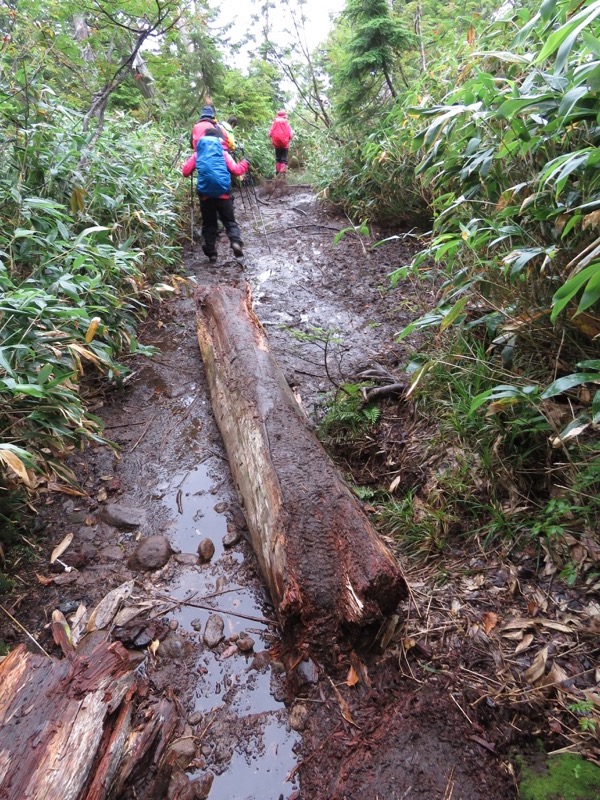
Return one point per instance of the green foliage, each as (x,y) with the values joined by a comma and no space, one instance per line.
(85,232)
(567,776)
(348,417)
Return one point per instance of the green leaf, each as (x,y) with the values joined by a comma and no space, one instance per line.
(569,382)
(596,408)
(21,233)
(454,313)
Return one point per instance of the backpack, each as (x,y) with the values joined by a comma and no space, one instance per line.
(213,175)
(280,133)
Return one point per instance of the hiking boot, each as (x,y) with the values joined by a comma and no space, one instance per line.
(210,253)
(237,249)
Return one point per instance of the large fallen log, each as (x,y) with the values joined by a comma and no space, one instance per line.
(74,729)
(327,570)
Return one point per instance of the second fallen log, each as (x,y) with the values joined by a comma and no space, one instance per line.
(327,570)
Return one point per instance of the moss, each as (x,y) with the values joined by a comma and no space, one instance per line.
(562,777)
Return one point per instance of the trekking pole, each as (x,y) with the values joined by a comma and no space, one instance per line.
(192,209)
(251,179)
(239,185)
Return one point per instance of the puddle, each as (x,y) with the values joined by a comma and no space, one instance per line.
(251,749)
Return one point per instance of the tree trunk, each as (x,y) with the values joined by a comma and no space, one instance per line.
(328,572)
(69,731)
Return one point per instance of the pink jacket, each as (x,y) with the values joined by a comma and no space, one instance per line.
(235,167)
(200,129)
(281,133)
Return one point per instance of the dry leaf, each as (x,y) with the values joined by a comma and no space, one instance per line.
(395,483)
(229,651)
(59,487)
(125,615)
(344,708)
(524,643)
(352,678)
(102,495)
(13,461)
(490,620)
(555,678)
(43,580)
(60,548)
(153,646)
(106,609)
(538,667)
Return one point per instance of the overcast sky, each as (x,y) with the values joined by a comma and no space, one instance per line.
(317,27)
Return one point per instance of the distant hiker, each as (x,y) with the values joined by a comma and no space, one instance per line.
(228,130)
(281,135)
(214,165)
(208,119)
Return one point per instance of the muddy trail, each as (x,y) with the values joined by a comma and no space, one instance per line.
(258,720)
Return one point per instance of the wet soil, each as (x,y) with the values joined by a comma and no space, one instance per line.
(265,722)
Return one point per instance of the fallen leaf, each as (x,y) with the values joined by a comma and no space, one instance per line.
(63,489)
(153,646)
(344,707)
(524,643)
(555,677)
(490,620)
(44,580)
(61,632)
(352,678)
(395,483)
(538,667)
(60,548)
(102,495)
(106,609)
(229,651)
(125,615)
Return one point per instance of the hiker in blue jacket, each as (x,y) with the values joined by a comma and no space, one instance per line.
(214,166)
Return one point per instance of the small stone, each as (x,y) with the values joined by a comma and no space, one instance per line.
(182,751)
(180,786)
(186,559)
(206,550)
(234,637)
(174,647)
(124,516)
(245,644)
(203,785)
(173,624)
(308,671)
(232,536)
(195,718)
(196,624)
(213,633)
(150,554)
(110,553)
(298,717)
(221,508)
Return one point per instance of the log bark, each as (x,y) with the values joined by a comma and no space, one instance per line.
(328,572)
(71,729)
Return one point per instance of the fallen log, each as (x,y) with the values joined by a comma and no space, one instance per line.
(74,729)
(327,570)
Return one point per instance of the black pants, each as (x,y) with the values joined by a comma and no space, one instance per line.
(213,209)
(281,155)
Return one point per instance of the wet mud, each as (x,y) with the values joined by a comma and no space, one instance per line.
(265,722)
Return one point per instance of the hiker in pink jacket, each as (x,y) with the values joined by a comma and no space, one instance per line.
(281,135)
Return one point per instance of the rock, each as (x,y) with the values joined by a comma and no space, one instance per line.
(213,633)
(203,785)
(182,751)
(83,556)
(308,671)
(196,624)
(173,624)
(124,516)
(174,647)
(232,536)
(110,553)
(234,637)
(186,559)
(206,550)
(261,661)
(180,787)
(195,718)
(150,554)
(221,508)
(298,717)
(245,643)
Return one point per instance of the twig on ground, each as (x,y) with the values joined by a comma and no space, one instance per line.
(25,631)
(144,432)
